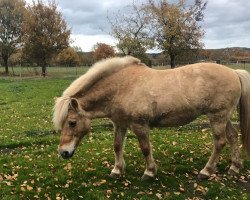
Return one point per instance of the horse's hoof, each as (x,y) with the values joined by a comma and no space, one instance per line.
(202,177)
(146,177)
(115,176)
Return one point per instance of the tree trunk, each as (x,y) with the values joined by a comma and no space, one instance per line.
(5,61)
(44,70)
(172,61)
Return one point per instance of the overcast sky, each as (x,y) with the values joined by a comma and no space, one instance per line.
(226,22)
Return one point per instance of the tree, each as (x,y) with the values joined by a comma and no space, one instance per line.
(131,31)
(77,48)
(11,19)
(176,26)
(68,57)
(87,59)
(46,33)
(103,51)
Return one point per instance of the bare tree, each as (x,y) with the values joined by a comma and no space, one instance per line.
(131,30)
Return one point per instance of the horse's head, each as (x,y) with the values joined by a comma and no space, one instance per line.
(75,125)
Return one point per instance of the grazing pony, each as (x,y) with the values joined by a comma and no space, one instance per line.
(134,96)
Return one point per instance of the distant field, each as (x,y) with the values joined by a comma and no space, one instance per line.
(25,72)
(240,66)
(31,169)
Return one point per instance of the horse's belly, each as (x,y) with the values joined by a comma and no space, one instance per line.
(174,120)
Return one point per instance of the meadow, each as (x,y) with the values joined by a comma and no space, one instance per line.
(31,169)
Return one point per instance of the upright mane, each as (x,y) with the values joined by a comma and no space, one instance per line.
(98,71)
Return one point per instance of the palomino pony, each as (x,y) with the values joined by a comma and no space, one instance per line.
(137,97)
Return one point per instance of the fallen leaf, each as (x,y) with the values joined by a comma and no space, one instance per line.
(29,188)
(8,183)
(140,193)
(109,191)
(159,196)
(84,184)
(182,189)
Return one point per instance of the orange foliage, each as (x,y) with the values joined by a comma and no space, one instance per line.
(103,51)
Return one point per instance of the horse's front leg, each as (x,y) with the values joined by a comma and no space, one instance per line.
(142,133)
(119,139)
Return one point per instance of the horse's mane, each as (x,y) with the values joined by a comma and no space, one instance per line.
(98,71)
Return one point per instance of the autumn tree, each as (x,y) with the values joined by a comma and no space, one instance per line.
(87,59)
(46,33)
(102,51)
(131,31)
(11,19)
(68,57)
(176,26)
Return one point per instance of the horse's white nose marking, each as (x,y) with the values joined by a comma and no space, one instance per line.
(70,147)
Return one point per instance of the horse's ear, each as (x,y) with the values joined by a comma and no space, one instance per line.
(74,104)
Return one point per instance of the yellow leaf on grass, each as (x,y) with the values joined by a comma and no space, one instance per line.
(39,189)
(29,188)
(8,183)
(174,143)
(109,191)
(159,196)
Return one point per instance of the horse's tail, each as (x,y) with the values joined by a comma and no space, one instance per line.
(245,109)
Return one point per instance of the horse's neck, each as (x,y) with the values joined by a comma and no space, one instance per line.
(97,101)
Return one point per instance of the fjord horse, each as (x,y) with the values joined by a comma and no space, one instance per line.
(136,97)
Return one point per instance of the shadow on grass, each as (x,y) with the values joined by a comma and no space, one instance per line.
(245,185)
(39,133)
(16,147)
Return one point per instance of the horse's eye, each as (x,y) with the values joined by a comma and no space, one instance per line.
(72,124)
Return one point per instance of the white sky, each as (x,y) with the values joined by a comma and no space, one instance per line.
(226,22)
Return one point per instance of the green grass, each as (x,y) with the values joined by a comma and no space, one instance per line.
(31,169)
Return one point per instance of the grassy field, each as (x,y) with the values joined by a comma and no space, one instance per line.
(31,169)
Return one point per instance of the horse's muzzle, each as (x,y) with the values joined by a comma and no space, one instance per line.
(66,154)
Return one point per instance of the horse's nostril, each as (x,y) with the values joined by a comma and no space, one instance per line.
(65,154)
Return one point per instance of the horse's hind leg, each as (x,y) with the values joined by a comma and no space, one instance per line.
(232,137)
(119,139)
(142,133)
(218,123)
